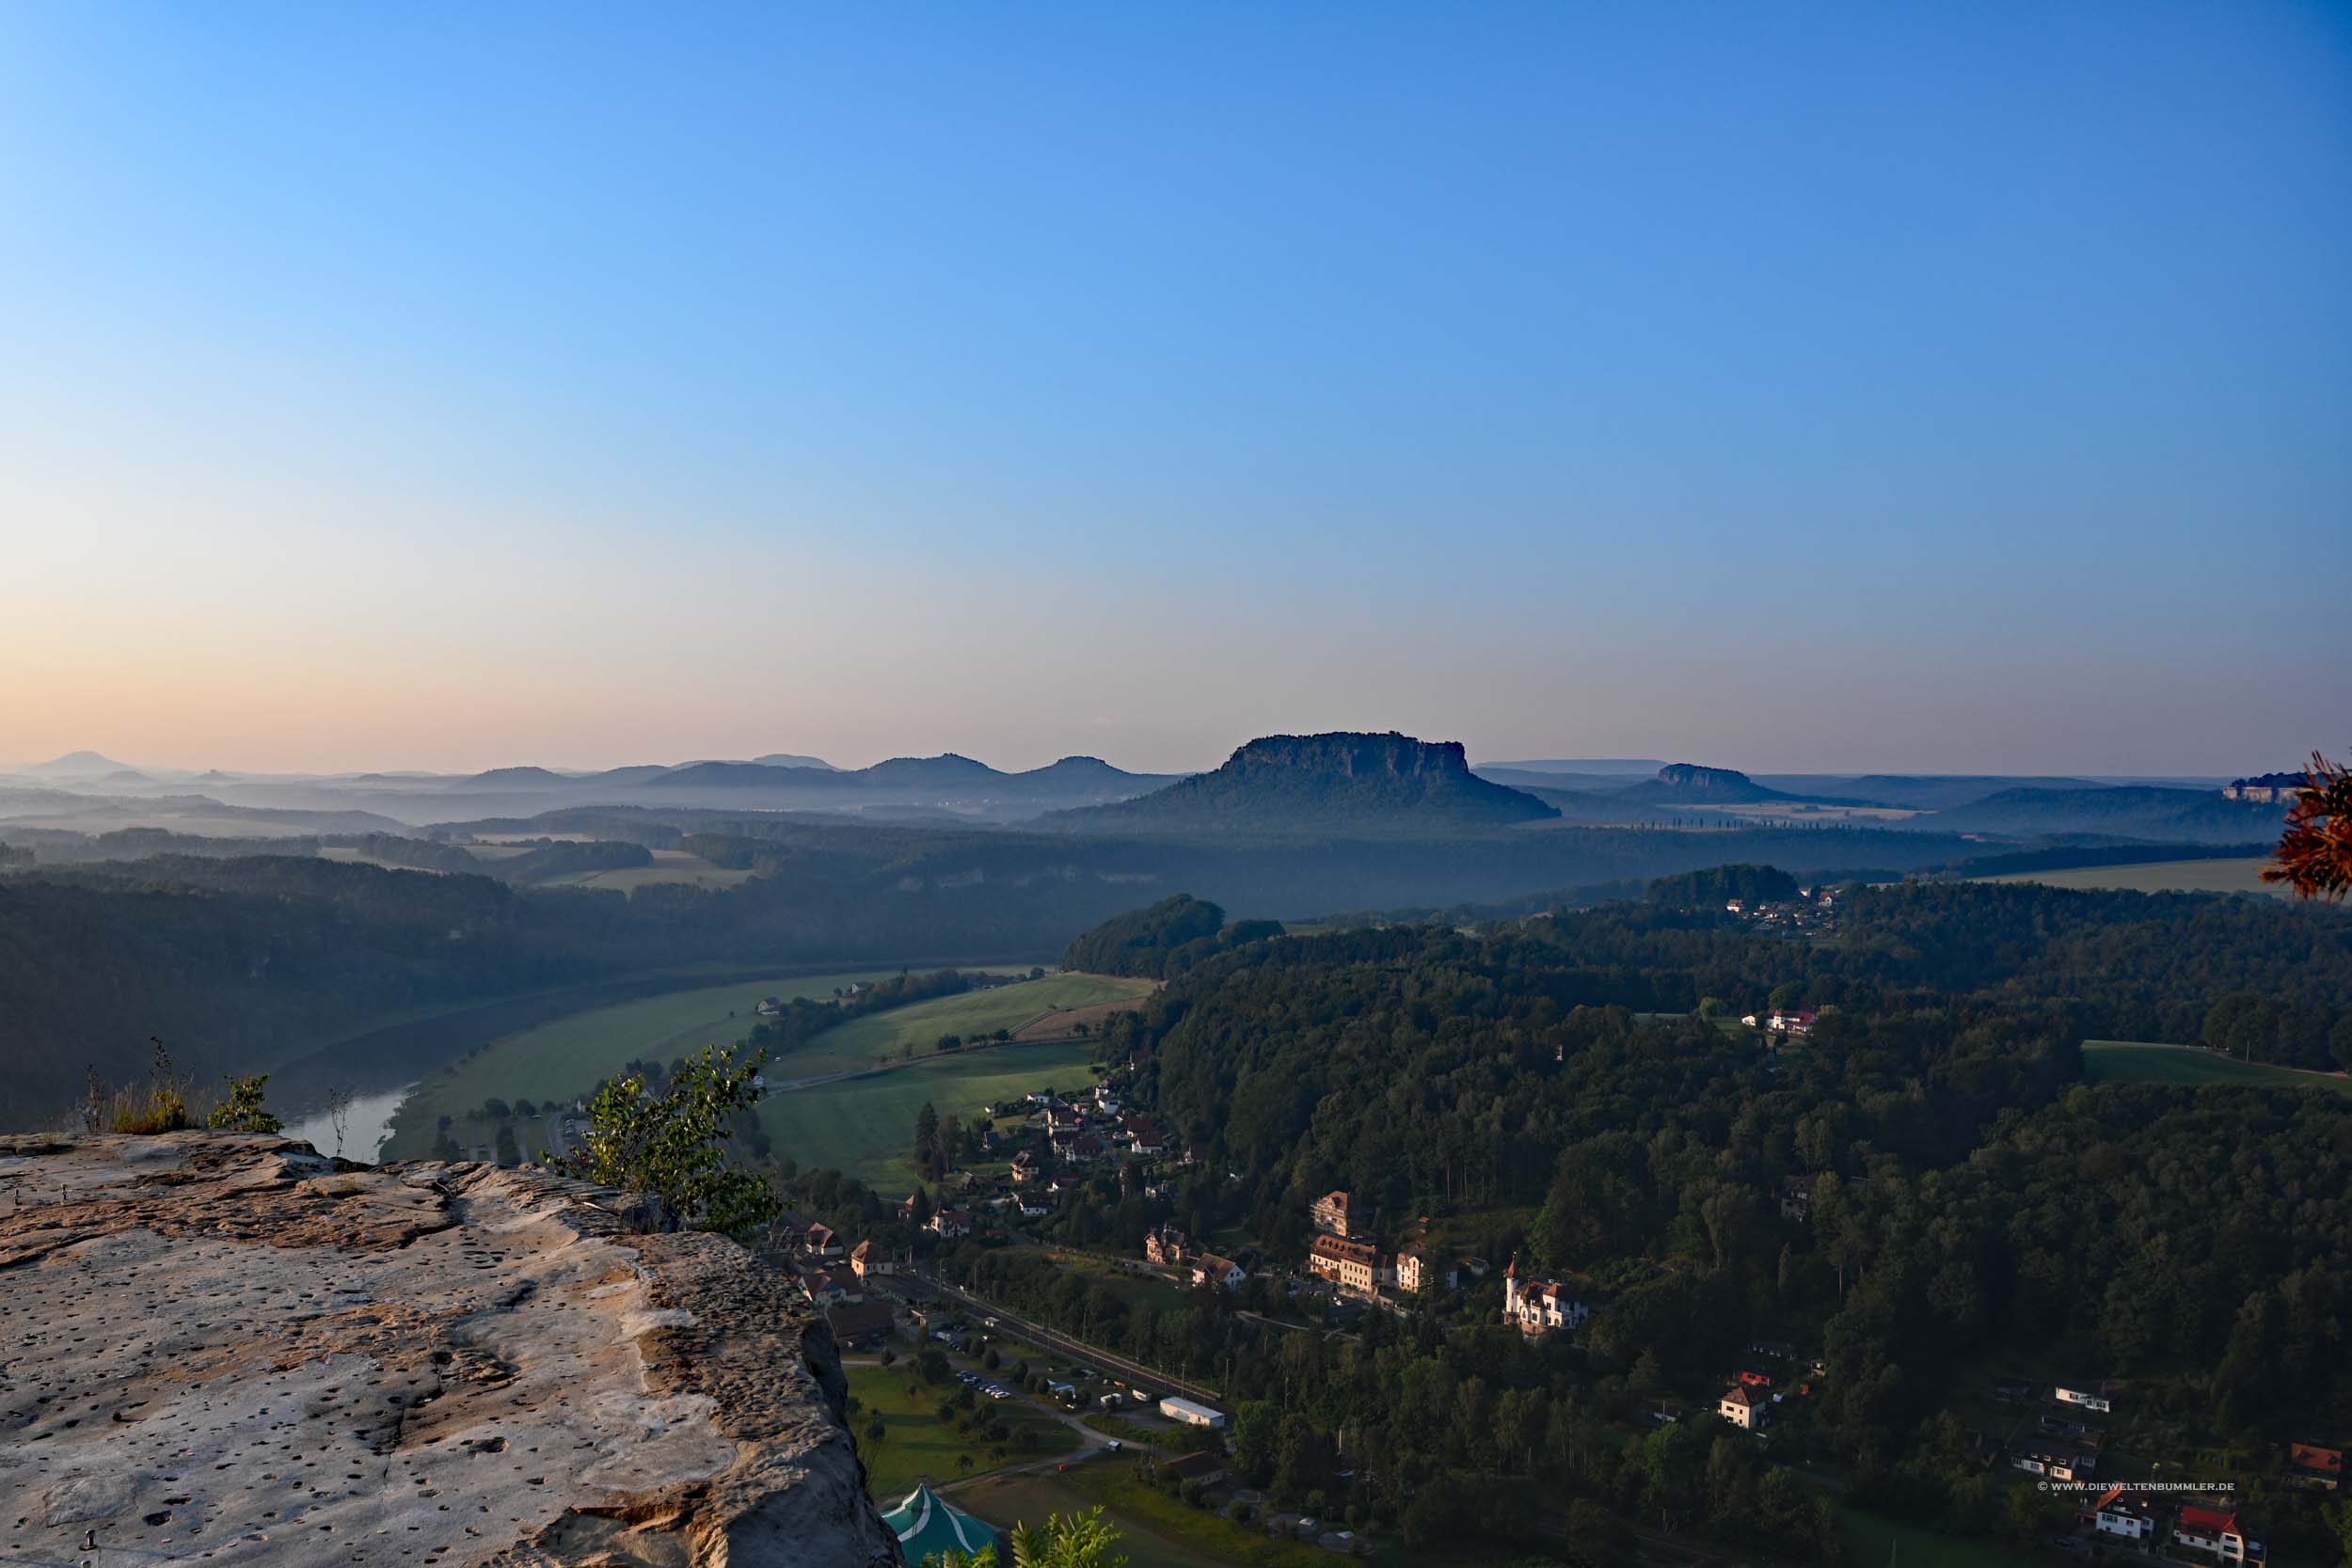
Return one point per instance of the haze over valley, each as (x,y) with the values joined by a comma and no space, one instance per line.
(957,786)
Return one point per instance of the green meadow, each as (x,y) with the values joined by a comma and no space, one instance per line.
(865,1126)
(560,1058)
(2147,1062)
(914,1030)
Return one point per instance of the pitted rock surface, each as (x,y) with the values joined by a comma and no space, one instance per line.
(229,1348)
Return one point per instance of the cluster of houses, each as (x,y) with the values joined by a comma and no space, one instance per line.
(2217,1532)
(2061,1446)
(2204,1530)
(1083,1132)
(1794,1022)
(840,1280)
(1809,912)
(1171,1249)
(1346,1252)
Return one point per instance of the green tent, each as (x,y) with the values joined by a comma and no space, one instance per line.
(925,1523)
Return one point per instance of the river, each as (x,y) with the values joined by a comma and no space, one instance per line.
(367,1123)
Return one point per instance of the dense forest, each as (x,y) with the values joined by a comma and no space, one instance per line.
(1973,1209)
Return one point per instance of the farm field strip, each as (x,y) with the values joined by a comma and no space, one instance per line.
(2149,1062)
(2218,876)
(912,1030)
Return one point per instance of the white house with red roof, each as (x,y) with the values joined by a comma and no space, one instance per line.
(2216,1532)
(1744,1407)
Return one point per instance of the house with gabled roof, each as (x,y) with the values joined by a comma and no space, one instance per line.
(1744,1407)
(2217,1532)
(2121,1511)
(1209,1269)
(2312,1465)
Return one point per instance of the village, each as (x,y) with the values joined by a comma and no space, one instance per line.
(1053,1155)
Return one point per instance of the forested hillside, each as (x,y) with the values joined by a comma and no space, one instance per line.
(1971,1208)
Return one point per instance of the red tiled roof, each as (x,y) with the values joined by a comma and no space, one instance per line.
(2207,1521)
(2310,1456)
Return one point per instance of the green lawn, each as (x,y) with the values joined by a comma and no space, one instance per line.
(882,1037)
(566,1056)
(1883,1543)
(865,1126)
(918,1446)
(2145,1062)
(2226,876)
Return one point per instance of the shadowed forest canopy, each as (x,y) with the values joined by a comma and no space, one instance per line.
(1971,1206)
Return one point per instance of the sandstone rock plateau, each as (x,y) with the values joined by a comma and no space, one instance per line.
(229,1347)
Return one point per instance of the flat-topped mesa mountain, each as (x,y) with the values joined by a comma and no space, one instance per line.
(1346,783)
(228,1345)
(1711,786)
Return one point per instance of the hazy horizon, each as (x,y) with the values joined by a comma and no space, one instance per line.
(23,767)
(450,389)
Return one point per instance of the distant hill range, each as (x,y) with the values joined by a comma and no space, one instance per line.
(1346,782)
(1352,782)
(2129,810)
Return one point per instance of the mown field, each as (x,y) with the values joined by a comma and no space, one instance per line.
(566,1055)
(903,1033)
(918,1446)
(865,1126)
(2235,876)
(2146,1062)
(669,865)
(1883,1543)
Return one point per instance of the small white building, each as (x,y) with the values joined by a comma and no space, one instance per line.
(1192,1414)
(2084,1400)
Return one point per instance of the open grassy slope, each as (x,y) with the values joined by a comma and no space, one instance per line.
(915,1029)
(865,1126)
(2235,876)
(566,1055)
(2146,1062)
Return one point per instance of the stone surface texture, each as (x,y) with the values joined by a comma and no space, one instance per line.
(229,1348)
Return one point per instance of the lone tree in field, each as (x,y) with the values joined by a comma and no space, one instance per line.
(673,1144)
(2314,855)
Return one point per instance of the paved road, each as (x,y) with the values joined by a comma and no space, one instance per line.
(1037,1334)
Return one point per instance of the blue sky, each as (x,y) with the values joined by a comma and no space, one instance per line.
(1777,385)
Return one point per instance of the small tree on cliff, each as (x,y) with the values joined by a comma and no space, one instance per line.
(245,1111)
(673,1144)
